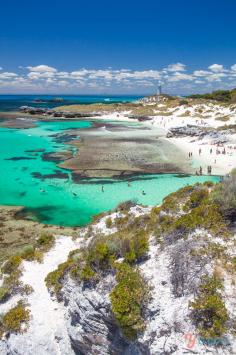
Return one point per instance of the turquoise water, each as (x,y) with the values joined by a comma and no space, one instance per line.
(28,180)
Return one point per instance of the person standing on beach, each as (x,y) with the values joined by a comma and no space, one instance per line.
(200,170)
(200,151)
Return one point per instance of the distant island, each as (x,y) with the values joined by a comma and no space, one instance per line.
(56,100)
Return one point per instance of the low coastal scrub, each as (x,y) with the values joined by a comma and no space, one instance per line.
(54,279)
(99,258)
(208,310)
(109,222)
(15,320)
(128,300)
(224,195)
(188,209)
(218,95)
(45,242)
(191,209)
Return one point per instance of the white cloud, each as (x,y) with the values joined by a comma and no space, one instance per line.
(201,73)
(199,82)
(176,67)
(180,76)
(216,68)
(216,77)
(175,77)
(7,75)
(42,68)
(233,67)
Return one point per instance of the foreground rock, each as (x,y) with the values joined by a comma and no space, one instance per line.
(185,257)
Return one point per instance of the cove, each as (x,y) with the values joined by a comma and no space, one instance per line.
(48,193)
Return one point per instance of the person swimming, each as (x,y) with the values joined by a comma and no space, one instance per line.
(143,192)
(42,190)
(74,194)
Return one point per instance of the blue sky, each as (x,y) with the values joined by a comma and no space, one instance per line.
(106,46)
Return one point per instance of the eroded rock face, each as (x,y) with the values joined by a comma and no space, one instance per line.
(91,326)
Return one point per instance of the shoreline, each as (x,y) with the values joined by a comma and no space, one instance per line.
(221,164)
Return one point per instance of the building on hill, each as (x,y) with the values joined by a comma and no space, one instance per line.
(154,99)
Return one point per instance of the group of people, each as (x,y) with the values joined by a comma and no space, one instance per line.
(199,172)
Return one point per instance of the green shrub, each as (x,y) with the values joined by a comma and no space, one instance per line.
(54,279)
(130,256)
(204,216)
(128,299)
(183,102)
(224,195)
(121,222)
(12,264)
(13,320)
(208,310)
(141,245)
(4,293)
(197,197)
(99,255)
(172,202)
(12,280)
(45,242)
(28,252)
(87,274)
(109,222)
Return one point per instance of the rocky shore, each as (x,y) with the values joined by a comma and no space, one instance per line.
(55,113)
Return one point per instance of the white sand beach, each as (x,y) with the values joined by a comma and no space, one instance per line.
(216,149)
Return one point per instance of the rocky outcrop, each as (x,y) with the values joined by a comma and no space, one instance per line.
(90,323)
(54,113)
(188,130)
(194,131)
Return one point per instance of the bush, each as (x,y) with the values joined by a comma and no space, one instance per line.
(196,198)
(28,252)
(45,242)
(109,222)
(87,274)
(206,216)
(99,255)
(183,102)
(13,320)
(54,279)
(12,264)
(224,195)
(209,312)
(128,299)
(4,294)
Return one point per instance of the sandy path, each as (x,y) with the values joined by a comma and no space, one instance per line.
(47,332)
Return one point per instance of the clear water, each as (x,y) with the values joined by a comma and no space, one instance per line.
(13,102)
(60,201)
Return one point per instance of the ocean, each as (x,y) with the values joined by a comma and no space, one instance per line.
(48,192)
(13,102)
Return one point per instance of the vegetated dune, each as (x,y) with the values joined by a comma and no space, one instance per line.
(136,281)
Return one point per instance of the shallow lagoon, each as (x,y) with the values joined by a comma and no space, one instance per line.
(59,200)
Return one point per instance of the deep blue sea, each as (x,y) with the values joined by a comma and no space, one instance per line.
(13,102)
